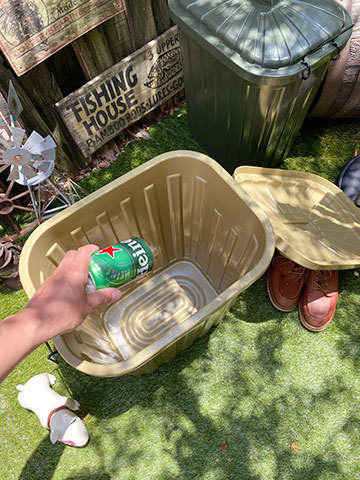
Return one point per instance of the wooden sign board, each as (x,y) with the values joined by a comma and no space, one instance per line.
(107,104)
(32,30)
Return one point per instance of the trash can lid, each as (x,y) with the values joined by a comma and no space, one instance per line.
(315,223)
(268,33)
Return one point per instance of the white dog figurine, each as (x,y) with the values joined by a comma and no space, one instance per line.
(54,411)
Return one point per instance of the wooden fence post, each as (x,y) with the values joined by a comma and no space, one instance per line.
(41,86)
(161,15)
(118,36)
(93,53)
(141,22)
(65,66)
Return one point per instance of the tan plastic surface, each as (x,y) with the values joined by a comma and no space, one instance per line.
(150,310)
(315,223)
(211,242)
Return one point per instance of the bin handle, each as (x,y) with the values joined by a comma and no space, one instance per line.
(336,57)
(305,73)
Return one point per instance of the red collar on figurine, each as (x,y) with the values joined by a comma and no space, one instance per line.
(63,407)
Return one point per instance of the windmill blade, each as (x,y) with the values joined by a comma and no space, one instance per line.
(14,173)
(49,154)
(18,135)
(44,165)
(38,145)
(34,142)
(27,171)
(49,143)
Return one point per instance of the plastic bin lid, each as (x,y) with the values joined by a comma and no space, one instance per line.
(268,33)
(315,223)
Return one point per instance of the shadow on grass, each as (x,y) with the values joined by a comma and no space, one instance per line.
(257,429)
(43,461)
(347,318)
(87,474)
(195,451)
(317,150)
(191,438)
(184,400)
(191,423)
(261,434)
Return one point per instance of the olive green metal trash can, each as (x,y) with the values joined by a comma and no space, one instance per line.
(252,69)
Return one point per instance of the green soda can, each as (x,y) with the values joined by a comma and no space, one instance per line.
(117,265)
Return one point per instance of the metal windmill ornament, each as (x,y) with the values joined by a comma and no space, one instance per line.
(32,164)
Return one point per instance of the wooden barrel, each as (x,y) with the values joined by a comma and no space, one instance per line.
(339,96)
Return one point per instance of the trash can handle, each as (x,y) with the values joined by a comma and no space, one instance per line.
(336,57)
(305,73)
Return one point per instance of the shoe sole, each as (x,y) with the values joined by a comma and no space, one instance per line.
(274,303)
(307,325)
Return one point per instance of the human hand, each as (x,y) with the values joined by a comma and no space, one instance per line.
(61,302)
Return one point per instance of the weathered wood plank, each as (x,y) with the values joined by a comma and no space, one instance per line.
(41,87)
(118,36)
(141,22)
(124,93)
(93,53)
(66,69)
(29,116)
(161,15)
(33,31)
(32,120)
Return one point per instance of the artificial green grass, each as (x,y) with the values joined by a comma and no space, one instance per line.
(256,383)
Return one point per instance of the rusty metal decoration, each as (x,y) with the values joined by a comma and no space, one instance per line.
(32,165)
(9,261)
(8,204)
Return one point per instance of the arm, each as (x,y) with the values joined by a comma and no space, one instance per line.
(59,305)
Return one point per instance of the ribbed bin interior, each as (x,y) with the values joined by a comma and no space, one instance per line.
(204,235)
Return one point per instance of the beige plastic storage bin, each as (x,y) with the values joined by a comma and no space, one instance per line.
(211,242)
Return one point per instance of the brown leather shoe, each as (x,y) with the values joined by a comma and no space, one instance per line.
(318,301)
(285,280)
